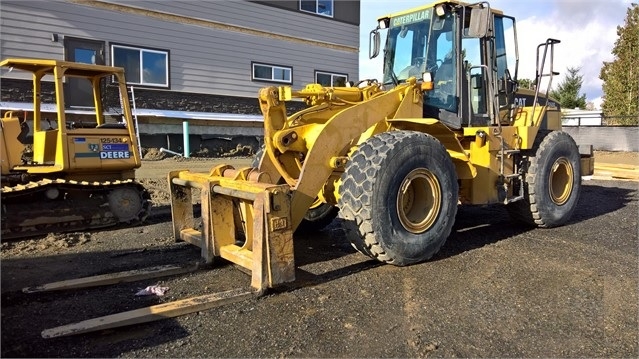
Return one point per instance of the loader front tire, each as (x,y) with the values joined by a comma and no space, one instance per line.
(318,216)
(398,197)
(553,182)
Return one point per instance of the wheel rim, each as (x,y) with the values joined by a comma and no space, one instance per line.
(561,179)
(419,200)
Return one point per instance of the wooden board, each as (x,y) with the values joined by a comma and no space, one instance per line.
(152,313)
(112,278)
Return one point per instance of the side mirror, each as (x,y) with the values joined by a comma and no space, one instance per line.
(373,44)
(478,22)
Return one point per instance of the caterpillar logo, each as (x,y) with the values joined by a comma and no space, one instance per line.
(520,102)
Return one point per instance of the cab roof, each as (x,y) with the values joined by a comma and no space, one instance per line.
(432,5)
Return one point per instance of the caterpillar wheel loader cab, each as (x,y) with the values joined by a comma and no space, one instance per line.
(80,172)
(446,125)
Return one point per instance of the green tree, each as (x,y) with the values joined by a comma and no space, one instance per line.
(525,83)
(567,92)
(621,75)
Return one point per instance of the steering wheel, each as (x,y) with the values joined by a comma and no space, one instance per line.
(418,61)
(438,63)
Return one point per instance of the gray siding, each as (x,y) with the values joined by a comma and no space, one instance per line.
(347,11)
(257,16)
(202,59)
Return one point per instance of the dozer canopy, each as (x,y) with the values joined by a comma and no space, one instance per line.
(76,144)
(47,67)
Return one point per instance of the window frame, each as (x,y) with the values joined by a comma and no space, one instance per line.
(273,67)
(142,49)
(332,74)
(316,12)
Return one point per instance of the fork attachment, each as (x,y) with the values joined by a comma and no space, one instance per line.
(245,220)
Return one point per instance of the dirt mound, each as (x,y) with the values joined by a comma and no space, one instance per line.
(240,150)
(153,154)
(625,158)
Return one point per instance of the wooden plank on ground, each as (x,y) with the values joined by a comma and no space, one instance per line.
(618,175)
(617,170)
(113,278)
(617,165)
(152,313)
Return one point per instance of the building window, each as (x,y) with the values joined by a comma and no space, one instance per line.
(145,67)
(320,7)
(330,79)
(272,73)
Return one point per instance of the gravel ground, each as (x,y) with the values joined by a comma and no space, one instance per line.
(495,290)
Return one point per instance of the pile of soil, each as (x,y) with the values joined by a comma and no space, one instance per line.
(625,158)
(153,154)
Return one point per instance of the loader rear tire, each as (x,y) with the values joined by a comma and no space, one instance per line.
(398,197)
(317,217)
(553,182)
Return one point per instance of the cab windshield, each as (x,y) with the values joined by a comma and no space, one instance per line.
(421,42)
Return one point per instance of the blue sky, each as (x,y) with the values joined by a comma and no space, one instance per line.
(587,30)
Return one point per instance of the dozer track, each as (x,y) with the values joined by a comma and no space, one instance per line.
(58,205)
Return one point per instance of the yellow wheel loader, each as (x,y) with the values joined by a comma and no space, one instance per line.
(394,158)
(80,172)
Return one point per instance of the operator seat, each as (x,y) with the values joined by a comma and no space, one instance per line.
(414,70)
(445,71)
(24,132)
